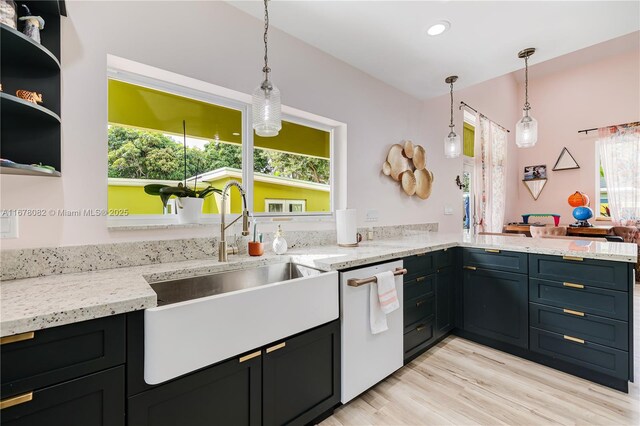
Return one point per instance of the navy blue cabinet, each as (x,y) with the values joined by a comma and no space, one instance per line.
(495,305)
(445,300)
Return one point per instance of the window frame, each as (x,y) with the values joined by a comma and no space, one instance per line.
(128,71)
(598,188)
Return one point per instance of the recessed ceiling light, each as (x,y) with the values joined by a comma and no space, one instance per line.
(438,28)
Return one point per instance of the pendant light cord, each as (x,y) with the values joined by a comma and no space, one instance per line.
(266,68)
(527,107)
(451,123)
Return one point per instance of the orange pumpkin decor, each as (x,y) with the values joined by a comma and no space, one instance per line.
(578,199)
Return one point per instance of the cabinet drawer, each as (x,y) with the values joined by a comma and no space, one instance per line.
(600,330)
(93,400)
(445,258)
(419,334)
(420,286)
(508,261)
(590,300)
(62,353)
(590,272)
(612,362)
(419,265)
(417,309)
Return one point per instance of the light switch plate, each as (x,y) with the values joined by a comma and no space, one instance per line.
(371,215)
(448,210)
(8,227)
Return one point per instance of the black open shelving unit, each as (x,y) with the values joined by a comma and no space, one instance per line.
(31,132)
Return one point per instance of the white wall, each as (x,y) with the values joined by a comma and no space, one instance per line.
(217,43)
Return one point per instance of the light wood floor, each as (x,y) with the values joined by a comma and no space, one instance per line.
(462,383)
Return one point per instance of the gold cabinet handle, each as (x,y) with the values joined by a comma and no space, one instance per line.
(276,347)
(492,250)
(572,285)
(421,327)
(249,356)
(572,312)
(421,254)
(574,258)
(420,302)
(573,339)
(471,268)
(420,279)
(17,338)
(16,400)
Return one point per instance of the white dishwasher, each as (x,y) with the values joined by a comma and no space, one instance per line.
(368,358)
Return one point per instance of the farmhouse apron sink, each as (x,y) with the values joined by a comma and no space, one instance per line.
(203,320)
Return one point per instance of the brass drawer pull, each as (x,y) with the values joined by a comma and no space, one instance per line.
(17,338)
(421,254)
(250,356)
(574,258)
(573,339)
(572,312)
(420,302)
(16,400)
(572,285)
(492,250)
(276,347)
(471,268)
(420,279)
(421,327)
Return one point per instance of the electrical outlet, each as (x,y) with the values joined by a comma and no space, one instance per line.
(371,215)
(448,210)
(8,227)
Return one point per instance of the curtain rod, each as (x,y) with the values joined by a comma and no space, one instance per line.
(586,131)
(463,104)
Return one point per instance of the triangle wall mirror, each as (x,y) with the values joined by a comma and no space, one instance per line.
(535,186)
(566,161)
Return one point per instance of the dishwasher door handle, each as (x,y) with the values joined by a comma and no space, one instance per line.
(353,282)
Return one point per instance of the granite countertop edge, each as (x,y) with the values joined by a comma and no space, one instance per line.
(42,302)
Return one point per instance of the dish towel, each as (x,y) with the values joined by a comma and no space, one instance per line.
(383,299)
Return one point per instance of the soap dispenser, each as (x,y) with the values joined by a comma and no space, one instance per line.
(279,243)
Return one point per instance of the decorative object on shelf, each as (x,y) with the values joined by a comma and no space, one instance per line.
(565,161)
(29,96)
(279,243)
(535,172)
(582,213)
(189,201)
(452,144)
(406,163)
(459,183)
(8,13)
(535,186)
(32,25)
(556,217)
(527,126)
(267,120)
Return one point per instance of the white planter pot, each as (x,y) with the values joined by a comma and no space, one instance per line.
(189,209)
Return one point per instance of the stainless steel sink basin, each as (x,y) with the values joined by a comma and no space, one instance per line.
(180,290)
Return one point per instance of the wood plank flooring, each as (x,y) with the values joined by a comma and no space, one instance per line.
(459,382)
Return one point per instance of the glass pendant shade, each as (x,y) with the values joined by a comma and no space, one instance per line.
(526,131)
(452,146)
(267,114)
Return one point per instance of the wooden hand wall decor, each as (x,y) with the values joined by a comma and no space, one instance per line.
(407,163)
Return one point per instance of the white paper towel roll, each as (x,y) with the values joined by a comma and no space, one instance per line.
(346,227)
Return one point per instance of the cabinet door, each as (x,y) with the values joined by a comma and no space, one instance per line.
(93,400)
(495,305)
(302,376)
(445,302)
(228,393)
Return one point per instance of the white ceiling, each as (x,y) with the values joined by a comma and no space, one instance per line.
(388,39)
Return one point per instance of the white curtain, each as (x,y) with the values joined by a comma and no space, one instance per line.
(490,157)
(619,148)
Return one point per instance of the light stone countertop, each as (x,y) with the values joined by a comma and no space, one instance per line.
(43,302)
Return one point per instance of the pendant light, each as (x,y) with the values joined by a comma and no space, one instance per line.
(452,146)
(266,109)
(527,127)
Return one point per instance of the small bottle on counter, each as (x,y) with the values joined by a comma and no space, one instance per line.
(279,243)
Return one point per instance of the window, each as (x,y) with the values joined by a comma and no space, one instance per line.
(289,174)
(602,202)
